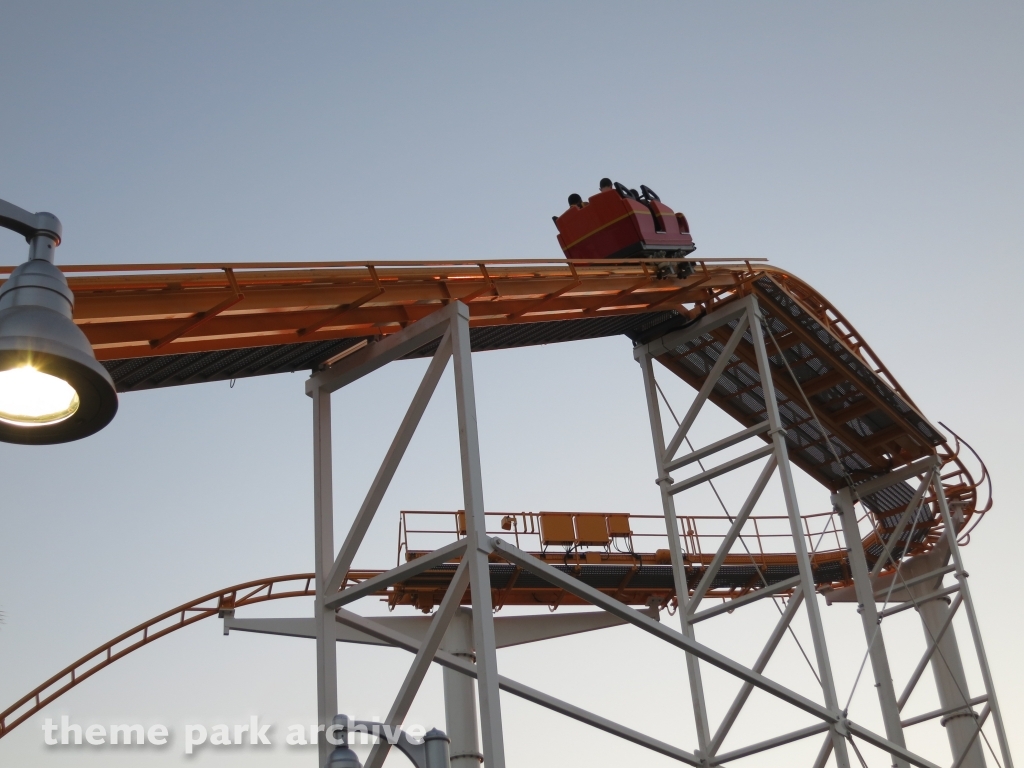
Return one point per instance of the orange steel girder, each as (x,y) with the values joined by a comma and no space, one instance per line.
(163,309)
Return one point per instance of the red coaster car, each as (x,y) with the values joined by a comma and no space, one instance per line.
(619,223)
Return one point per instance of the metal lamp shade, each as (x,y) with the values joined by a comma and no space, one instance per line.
(36,330)
(343,757)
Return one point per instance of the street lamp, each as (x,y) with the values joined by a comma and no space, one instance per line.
(52,388)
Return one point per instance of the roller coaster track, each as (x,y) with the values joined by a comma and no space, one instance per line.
(156,325)
(171,324)
(213,604)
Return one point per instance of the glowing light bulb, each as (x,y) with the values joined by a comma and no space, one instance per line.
(31,398)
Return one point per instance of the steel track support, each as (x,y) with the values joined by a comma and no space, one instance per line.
(746,315)
(943,651)
(479,546)
(387,470)
(735,530)
(429,646)
(700,713)
(450,326)
(932,644)
(460,709)
(972,620)
(872,623)
(762,661)
(400,640)
(951,685)
(824,753)
(796,526)
(323,526)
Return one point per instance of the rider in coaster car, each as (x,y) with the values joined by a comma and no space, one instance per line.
(576,200)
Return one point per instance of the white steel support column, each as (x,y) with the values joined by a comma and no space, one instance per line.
(460,711)
(479,546)
(972,619)
(796,526)
(323,526)
(951,683)
(872,626)
(450,327)
(700,714)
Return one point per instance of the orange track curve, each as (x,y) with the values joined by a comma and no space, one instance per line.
(249,593)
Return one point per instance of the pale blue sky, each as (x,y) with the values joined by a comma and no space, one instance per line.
(874,149)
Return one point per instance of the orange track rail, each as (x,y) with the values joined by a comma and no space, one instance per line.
(163,309)
(213,604)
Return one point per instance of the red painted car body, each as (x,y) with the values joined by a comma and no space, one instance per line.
(613,225)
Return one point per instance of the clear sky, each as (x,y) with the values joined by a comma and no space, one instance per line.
(874,149)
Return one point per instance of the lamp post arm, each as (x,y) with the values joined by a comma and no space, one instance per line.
(415,752)
(30,225)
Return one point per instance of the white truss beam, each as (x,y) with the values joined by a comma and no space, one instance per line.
(429,646)
(972,620)
(735,531)
(918,586)
(398,640)
(389,466)
(871,622)
(762,661)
